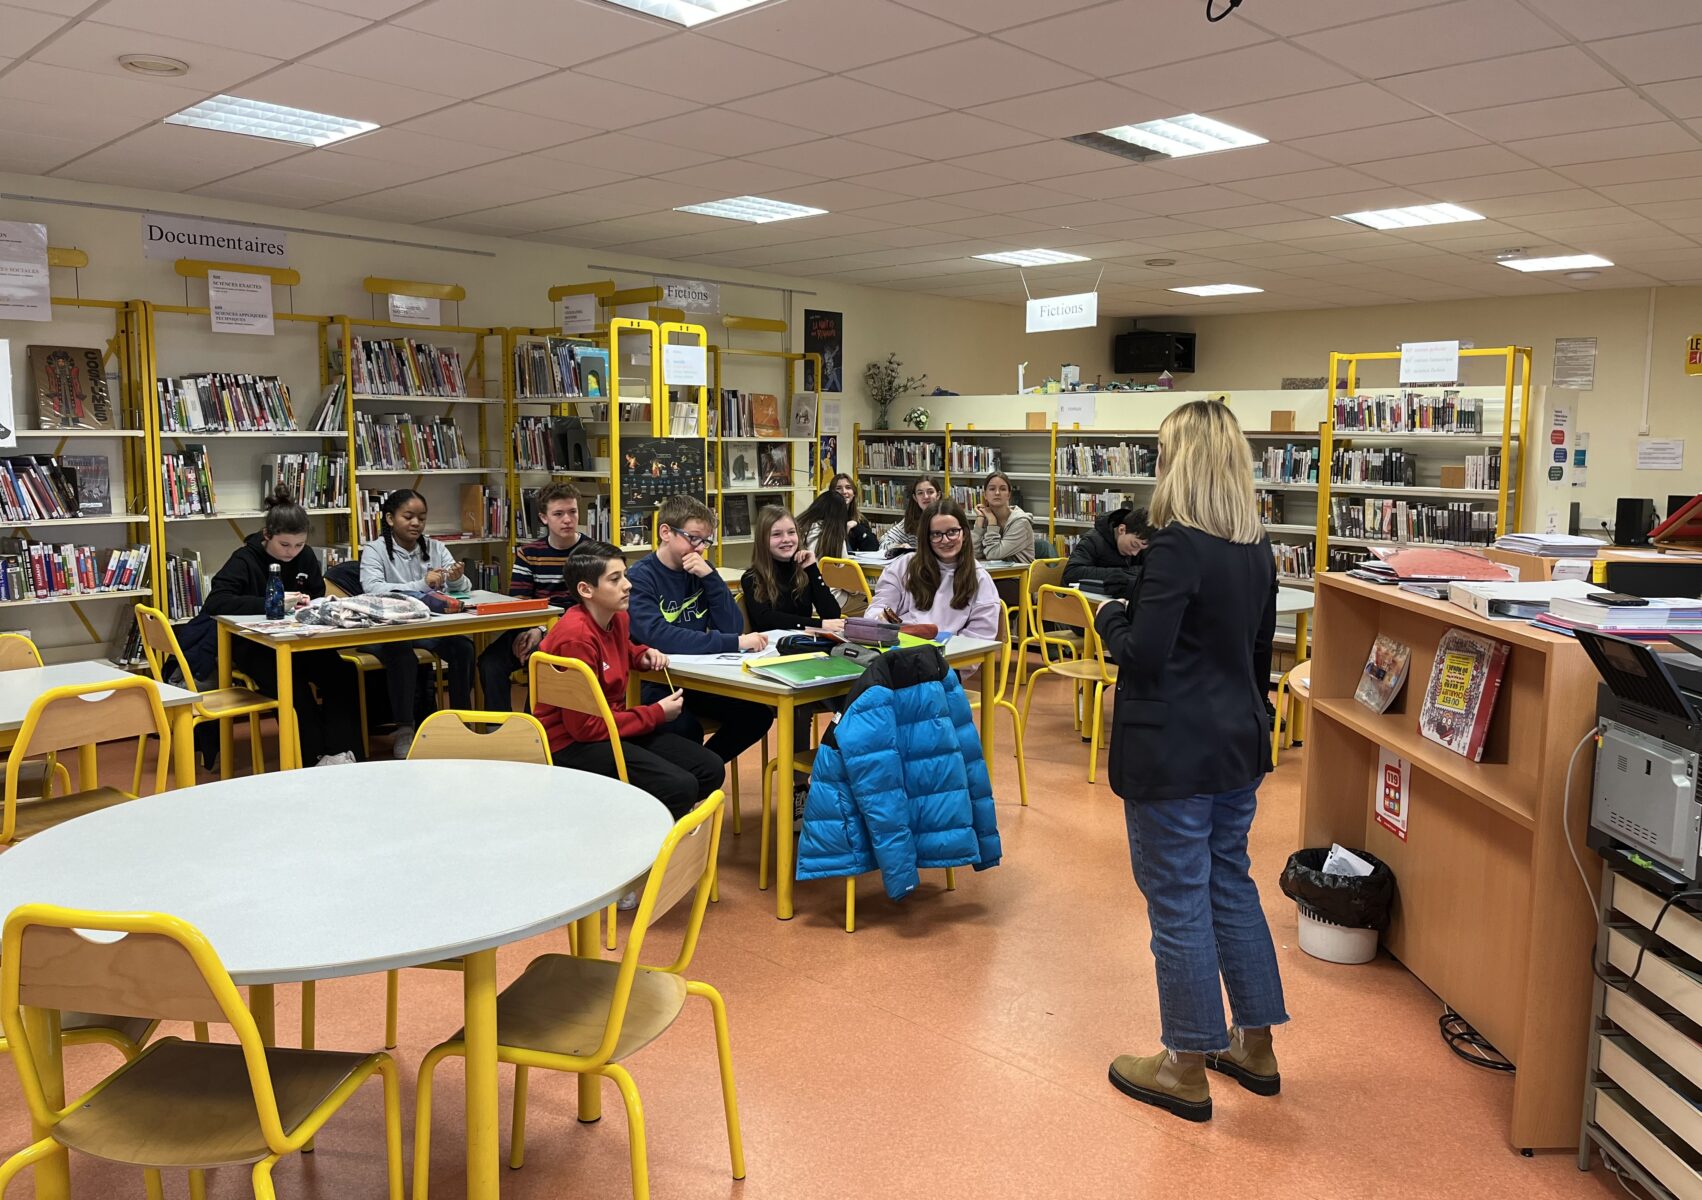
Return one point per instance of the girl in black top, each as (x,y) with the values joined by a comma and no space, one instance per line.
(783,588)
(859,534)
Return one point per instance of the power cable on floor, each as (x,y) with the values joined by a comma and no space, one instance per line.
(1468,1043)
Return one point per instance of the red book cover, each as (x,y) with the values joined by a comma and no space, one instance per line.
(1464,681)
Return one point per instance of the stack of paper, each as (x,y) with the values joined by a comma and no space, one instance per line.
(1428,563)
(1518,601)
(1647,622)
(1549,545)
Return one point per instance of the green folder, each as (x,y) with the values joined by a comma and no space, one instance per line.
(805,672)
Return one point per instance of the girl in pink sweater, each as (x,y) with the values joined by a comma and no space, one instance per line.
(939,583)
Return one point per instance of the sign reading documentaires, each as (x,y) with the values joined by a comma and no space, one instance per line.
(192,237)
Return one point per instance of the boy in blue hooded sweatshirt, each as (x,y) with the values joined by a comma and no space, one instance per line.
(681,605)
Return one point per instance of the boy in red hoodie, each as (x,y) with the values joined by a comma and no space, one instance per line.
(677,771)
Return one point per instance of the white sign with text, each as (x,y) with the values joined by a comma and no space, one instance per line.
(690,295)
(8,418)
(685,366)
(1430,362)
(415,310)
(240,303)
(1080,311)
(192,237)
(26,292)
(578,314)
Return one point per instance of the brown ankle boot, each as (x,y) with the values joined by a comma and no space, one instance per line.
(1173,1082)
(1250,1061)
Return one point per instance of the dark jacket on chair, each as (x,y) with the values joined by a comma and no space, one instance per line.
(1193,651)
(1096,560)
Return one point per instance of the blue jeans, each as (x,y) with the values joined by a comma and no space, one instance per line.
(1190,860)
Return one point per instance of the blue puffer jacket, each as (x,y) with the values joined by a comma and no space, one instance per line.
(899,781)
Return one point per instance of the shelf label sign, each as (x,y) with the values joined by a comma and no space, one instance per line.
(415,310)
(1430,362)
(192,237)
(8,419)
(26,293)
(578,314)
(690,295)
(685,366)
(1077,409)
(1080,311)
(240,303)
(1391,801)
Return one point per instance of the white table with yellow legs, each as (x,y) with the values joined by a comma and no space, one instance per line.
(353,871)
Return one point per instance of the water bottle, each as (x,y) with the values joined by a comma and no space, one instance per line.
(275,594)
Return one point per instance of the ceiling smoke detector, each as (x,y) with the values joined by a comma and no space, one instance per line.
(1580,276)
(156,65)
(1161,262)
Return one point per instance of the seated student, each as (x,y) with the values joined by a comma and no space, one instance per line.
(678,771)
(859,536)
(824,529)
(403,560)
(1003,532)
(330,725)
(1109,556)
(940,583)
(537,574)
(783,588)
(681,605)
(898,538)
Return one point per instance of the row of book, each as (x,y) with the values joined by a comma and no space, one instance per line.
(484,511)
(763,464)
(186,483)
(1410,412)
(1103,458)
(1394,467)
(1293,561)
(895,454)
(1286,464)
(315,479)
(185,586)
(535,444)
(46,487)
(333,414)
(1270,507)
(974,460)
(222,402)
(682,416)
(1081,504)
(406,441)
(751,414)
(968,498)
(559,368)
(39,570)
(405,367)
(884,493)
(1410,521)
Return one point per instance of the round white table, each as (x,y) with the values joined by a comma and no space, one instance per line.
(353,870)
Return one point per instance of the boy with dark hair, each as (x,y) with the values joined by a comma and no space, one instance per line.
(1109,556)
(681,605)
(676,770)
(538,573)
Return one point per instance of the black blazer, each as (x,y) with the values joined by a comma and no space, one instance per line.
(1193,652)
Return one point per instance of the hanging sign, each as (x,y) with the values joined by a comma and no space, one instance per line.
(578,314)
(1080,311)
(8,418)
(1430,362)
(26,293)
(1391,802)
(685,366)
(1693,356)
(415,310)
(240,303)
(690,295)
(192,237)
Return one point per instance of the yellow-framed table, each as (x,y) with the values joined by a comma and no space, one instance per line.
(24,684)
(724,675)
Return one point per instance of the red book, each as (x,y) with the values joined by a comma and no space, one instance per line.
(1464,681)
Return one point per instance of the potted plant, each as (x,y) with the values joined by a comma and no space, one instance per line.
(918,417)
(886,385)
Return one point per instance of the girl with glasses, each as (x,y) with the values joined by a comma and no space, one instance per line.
(940,583)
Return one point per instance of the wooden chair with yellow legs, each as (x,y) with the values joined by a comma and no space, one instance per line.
(1068,607)
(178,1105)
(589,1015)
(38,777)
(159,644)
(1042,572)
(846,575)
(1001,700)
(1294,689)
(449,733)
(79,717)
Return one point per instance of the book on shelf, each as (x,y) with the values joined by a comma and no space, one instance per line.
(1270,507)
(1549,545)
(333,413)
(1516,601)
(739,464)
(554,367)
(315,479)
(93,476)
(736,517)
(221,402)
(484,511)
(407,441)
(900,454)
(593,371)
(367,517)
(124,648)
(1293,562)
(1289,463)
(403,367)
(186,585)
(534,444)
(1409,412)
(1385,672)
(774,464)
(1657,612)
(41,570)
(528,520)
(1384,519)
(803,423)
(37,487)
(974,460)
(483,576)
(1460,698)
(682,414)
(572,444)
(70,389)
(735,420)
(765,415)
(1100,458)
(1080,504)
(186,483)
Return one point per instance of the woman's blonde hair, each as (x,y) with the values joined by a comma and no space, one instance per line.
(1206,474)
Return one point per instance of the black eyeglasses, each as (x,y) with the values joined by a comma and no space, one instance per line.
(698,541)
(945,535)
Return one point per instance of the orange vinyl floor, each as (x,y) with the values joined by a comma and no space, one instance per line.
(956,1045)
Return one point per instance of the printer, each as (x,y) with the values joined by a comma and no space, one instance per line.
(1646,798)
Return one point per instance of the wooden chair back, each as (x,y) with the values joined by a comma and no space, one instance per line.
(846,575)
(1068,607)
(17,652)
(510,737)
(159,645)
(335,591)
(86,714)
(744,613)
(570,684)
(1004,666)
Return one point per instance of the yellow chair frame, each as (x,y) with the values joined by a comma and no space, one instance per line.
(365,663)
(1067,606)
(846,575)
(1042,572)
(686,862)
(1002,680)
(164,969)
(18,653)
(1294,689)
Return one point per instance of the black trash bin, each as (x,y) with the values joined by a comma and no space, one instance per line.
(1340,915)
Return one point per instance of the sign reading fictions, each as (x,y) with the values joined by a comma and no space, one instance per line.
(690,295)
(193,237)
(1080,311)
(25,291)
(1430,362)
(240,303)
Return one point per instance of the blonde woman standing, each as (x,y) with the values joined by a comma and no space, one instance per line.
(1191,745)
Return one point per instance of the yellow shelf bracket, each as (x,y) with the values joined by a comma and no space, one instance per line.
(197,268)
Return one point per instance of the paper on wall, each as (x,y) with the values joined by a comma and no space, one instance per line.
(1430,362)
(1077,408)
(1660,454)
(8,418)
(415,310)
(239,302)
(26,290)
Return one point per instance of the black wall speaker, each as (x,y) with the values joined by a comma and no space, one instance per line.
(1633,518)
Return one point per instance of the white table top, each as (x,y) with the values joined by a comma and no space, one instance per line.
(729,668)
(19,689)
(350,870)
(435,626)
(1289,600)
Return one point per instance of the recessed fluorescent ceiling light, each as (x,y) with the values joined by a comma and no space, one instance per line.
(1031,258)
(1173,137)
(281,123)
(1219,289)
(1566,262)
(1411,218)
(754,209)
(688,12)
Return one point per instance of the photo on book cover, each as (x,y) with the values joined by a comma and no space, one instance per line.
(1385,673)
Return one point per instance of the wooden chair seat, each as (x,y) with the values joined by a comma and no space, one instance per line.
(190,1104)
(1075,668)
(235,702)
(36,815)
(560,1005)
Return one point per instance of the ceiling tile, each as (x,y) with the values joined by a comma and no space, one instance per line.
(44,91)
(403,146)
(1123,36)
(1587,19)
(92,48)
(1288,17)
(1035,162)
(173,152)
(946,135)
(1353,107)
(406,56)
(834,158)
(910,239)
(599,103)
(1667,210)
(1082,212)
(1563,71)
(628,154)
(562,33)
(1446,35)
(1507,183)
(1302,184)
(1651,57)
(1244,215)
(550,212)
(1180,202)
(1666,137)
(1007,197)
(534,176)
(832,35)
(1243,76)
(1653,191)
(723,132)
(646,195)
(63,8)
(1626,170)
(348,174)
(834,105)
(1078,108)
(391,205)
(1418,169)
(354,96)
(26,28)
(929,179)
(1681,97)
(1252,162)
(968,73)
(1119,182)
(1284,231)
(697,68)
(80,126)
(916,212)
(1142,228)
(1561,115)
(1568,200)
(499,128)
(283,28)
(837,195)
(998,225)
(276,185)
(372,10)
(1423,136)
(739,177)
(1605,217)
